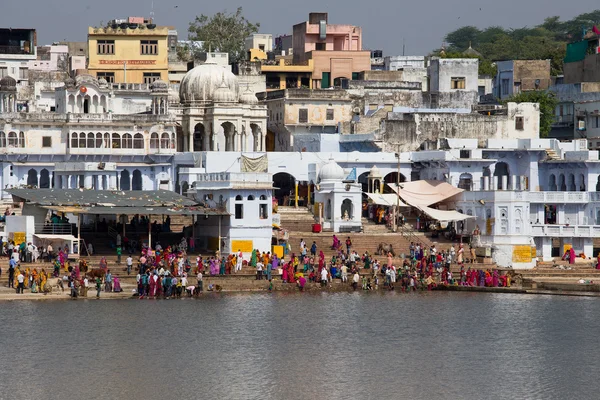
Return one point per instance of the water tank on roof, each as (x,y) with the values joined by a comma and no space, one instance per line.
(377,53)
(322,29)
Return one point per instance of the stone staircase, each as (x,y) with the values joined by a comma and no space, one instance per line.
(552,155)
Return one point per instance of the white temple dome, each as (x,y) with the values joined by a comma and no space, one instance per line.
(331,172)
(200,83)
(224,95)
(173,95)
(248,97)
(375,172)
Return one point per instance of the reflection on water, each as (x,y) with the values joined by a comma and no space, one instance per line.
(303,346)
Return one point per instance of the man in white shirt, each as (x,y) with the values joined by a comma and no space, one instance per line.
(199,279)
(355,280)
(324,274)
(259,270)
(129,264)
(21,283)
(344,273)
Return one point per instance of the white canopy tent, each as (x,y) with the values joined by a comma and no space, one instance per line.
(425,193)
(387,199)
(444,216)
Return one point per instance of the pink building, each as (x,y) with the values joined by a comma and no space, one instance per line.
(336,50)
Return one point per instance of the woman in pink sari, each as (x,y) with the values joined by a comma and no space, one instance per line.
(284,274)
(390,261)
(571,256)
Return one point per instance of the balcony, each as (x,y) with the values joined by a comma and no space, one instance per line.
(15,50)
(533,197)
(581,231)
(564,120)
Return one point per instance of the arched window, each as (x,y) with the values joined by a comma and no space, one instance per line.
(465,182)
(263,197)
(552,183)
(99,140)
(32,178)
(116,142)
(13,141)
(238,198)
(138,141)
(154,140)
(107,140)
(90,140)
(164,141)
(125,180)
(74,140)
(173,141)
(21,139)
(127,142)
(82,140)
(136,181)
(44,179)
(250,198)
(2,139)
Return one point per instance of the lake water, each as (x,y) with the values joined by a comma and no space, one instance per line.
(303,346)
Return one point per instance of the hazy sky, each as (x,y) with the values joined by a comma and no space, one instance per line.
(385,23)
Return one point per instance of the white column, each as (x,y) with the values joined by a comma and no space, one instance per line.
(112,185)
(68,181)
(88,181)
(522,182)
(547,249)
(486,183)
(504,182)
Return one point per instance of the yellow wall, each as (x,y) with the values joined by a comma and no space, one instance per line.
(317,112)
(128,48)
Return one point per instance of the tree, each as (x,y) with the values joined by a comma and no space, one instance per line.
(547,101)
(460,39)
(224,32)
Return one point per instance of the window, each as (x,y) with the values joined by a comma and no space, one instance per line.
(504,88)
(261,47)
(263,211)
(108,76)
(457,83)
(330,114)
(149,47)
(321,46)
(595,122)
(519,123)
(46,141)
(465,154)
(3,72)
(106,47)
(239,211)
(150,77)
(250,198)
(303,115)
(23,73)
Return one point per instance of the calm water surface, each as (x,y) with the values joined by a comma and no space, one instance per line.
(310,346)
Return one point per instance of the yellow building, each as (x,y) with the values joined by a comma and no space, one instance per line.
(283,74)
(129,53)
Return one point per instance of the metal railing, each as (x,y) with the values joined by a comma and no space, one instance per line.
(54,229)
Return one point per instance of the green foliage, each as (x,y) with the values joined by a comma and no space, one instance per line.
(547,101)
(224,32)
(545,41)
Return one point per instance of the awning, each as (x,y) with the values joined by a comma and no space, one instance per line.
(444,216)
(425,193)
(50,236)
(108,210)
(386,199)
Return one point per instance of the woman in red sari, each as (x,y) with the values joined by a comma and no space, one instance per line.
(284,274)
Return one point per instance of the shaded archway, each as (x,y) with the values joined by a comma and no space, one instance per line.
(392,179)
(229,133)
(136,181)
(44,179)
(552,183)
(562,183)
(125,183)
(32,178)
(200,138)
(582,183)
(501,171)
(256,137)
(571,186)
(285,186)
(363,179)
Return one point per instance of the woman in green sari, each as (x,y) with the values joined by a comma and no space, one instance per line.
(253,259)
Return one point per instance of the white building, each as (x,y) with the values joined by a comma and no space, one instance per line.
(247,198)
(535,194)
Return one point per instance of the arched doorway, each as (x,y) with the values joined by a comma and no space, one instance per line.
(581,183)
(501,171)
(136,181)
(184,188)
(363,179)
(562,184)
(465,182)
(328,210)
(347,210)
(572,187)
(125,180)
(285,185)
(229,133)
(552,183)
(44,179)
(199,138)
(32,178)
(392,180)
